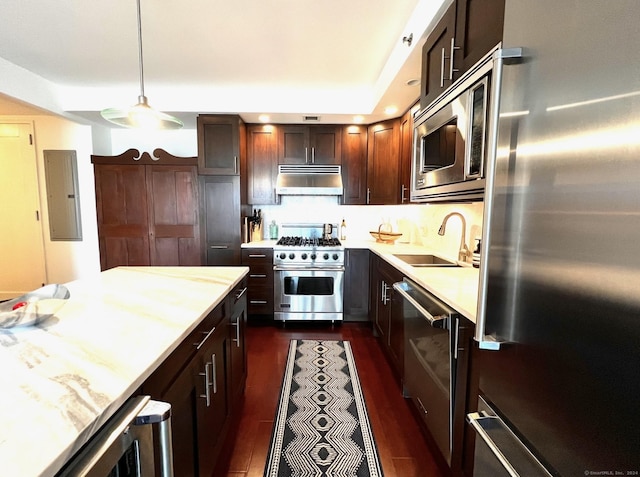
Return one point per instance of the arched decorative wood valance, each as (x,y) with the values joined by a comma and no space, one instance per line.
(132,156)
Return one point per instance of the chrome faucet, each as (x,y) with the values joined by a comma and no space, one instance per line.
(464,251)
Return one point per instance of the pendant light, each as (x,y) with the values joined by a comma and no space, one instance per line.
(141,115)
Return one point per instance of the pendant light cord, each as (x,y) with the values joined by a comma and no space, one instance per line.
(140,61)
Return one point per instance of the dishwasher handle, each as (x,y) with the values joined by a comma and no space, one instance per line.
(436,321)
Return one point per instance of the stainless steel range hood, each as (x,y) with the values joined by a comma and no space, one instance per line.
(309,180)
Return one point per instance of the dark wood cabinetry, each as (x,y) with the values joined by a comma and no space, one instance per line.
(220,144)
(260,291)
(309,144)
(406,150)
(383,163)
(262,157)
(222,227)
(387,322)
(479,27)
(464,34)
(354,165)
(435,54)
(356,285)
(147,209)
(203,380)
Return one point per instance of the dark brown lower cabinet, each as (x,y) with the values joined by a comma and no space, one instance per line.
(203,380)
(260,292)
(221,219)
(356,285)
(388,323)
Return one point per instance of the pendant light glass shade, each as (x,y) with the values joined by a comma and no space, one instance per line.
(141,115)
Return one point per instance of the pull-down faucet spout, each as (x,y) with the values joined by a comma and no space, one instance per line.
(464,251)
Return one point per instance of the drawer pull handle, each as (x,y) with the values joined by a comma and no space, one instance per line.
(258,302)
(258,275)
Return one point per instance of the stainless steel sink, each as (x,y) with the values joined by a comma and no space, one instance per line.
(419,260)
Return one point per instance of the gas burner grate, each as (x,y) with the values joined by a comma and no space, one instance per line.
(308,242)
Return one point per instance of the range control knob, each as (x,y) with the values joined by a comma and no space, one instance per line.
(283,256)
(292,256)
(335,256)
(313,256)
(303,256)
(326,256)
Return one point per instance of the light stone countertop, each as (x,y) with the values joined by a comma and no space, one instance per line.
(64,378)
(456,286)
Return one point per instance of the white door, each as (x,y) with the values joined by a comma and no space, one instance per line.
(22,262)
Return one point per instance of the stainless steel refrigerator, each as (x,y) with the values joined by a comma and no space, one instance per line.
(558,363)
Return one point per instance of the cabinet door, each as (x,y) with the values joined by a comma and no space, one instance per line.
(354,165)
(435,58)
(122,212)
(219,144)
(211,405)
(406,156)
(183,393)
(174,230)
(393,316)
(236,348)
(383,163)
(356,285)
(222,223)
(325,144)
(479,26)
(262,150)
(293,145)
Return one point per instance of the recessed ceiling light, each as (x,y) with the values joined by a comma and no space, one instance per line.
(358,119)
(390,110)
(413,82)
(263,118)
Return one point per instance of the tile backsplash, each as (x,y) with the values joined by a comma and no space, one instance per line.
(419,223)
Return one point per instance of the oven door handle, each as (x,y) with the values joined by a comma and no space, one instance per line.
(435,321)
(308,269)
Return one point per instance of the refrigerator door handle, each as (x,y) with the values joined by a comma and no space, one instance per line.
(500,58)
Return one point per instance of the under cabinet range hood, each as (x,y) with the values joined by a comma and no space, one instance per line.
(309,180)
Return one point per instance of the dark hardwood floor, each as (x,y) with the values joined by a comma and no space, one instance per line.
(401,445)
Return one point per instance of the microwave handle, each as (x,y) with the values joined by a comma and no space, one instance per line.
(500,58)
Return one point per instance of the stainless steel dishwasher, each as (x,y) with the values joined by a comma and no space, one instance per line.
(430,355)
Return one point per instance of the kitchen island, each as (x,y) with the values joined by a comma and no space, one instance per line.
(63,379)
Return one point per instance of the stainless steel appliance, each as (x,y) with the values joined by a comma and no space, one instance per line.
(124,446)
(559,305)
(449,140)
(308,277)
(431,350)
(309,179)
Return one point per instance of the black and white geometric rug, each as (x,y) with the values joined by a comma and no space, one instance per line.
(322,428)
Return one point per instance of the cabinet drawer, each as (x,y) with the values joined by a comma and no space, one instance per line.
(251,256)
(261,276)
(260,301)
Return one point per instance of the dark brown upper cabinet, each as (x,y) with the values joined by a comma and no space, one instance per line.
(383,163)
(465,33)
(354,165)
(479,27)
(262,151)
(309,144)
(220,144)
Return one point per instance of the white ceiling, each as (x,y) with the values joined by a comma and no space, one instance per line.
(286,58)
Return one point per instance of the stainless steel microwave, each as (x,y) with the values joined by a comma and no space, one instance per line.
(450,140)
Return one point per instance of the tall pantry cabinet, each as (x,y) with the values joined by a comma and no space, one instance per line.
(221,158)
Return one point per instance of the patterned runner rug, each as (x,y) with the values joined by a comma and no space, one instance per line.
(321,428)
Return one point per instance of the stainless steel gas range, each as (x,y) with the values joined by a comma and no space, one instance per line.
(308,277)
